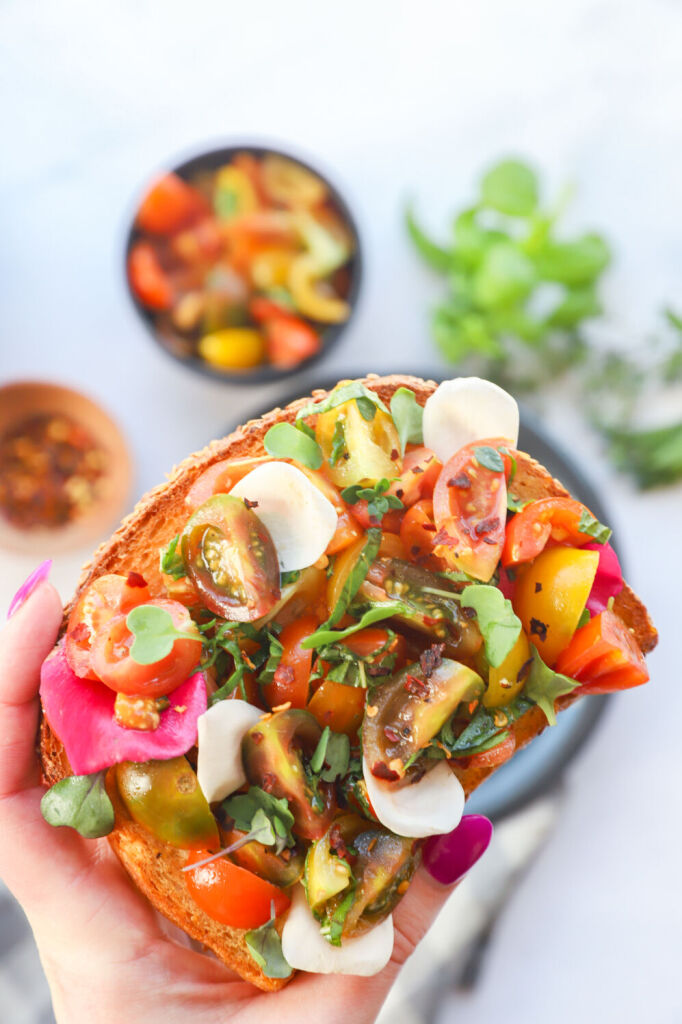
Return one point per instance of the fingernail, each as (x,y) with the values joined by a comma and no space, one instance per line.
(448,858)
(37,577)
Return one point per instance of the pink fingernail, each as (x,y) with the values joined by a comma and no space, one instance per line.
(37,577)
(448,858)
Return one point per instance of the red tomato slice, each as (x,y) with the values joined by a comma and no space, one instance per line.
(529,531)
(289,341)
(108,596)
(169,205)
(292,676)
(231,894)
(148,280)
(491,758)
(470,506)
(262,310)
(114,666)
(220,478)
(604,656)
(421,469)
(417,532)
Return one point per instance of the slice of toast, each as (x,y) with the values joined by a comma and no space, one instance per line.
(154,866)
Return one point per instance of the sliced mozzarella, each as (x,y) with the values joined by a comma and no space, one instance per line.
(430,807)
(300,519)
(306,949)
(468,409)
(219,763)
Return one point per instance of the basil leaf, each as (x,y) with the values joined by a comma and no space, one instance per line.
(329,636)
(355,389)
(265,946)
(290,577)
(584,618)
(499,625)
(271,665)
(483,731)
(332,755)
(338,442)
(284,441)
(510,187)
(154,632)
(355,577)
(593,528)
(490,458)
(544,686)
(573,263)
(408,416)
(506,275)
(171,561)
(435,255)
(366,408)
(378,502)
(82,803)
(332,929)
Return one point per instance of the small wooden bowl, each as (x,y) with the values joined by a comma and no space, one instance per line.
(23,399)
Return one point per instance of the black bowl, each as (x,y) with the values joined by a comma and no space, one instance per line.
(330,335)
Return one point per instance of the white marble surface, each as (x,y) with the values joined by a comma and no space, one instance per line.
(398,99)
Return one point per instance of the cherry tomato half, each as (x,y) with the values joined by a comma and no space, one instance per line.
(164,797)
(292,676)
(231,559)
(289,341)
(549,518)
(417,532)
(221,477)
(550,595)
(470,507)
(113,665)
(604,656)
(106,597)
(338,706)
(372,446)
(148,280)
(389,522)
(232,895)
(169,205)
(421,469)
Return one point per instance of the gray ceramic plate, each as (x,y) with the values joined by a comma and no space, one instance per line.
(538,766)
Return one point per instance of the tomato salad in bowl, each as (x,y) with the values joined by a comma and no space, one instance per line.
(244,263)
(363,606)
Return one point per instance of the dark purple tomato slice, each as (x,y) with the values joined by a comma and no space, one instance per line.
(231,559)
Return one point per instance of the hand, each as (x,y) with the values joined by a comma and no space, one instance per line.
(107,955)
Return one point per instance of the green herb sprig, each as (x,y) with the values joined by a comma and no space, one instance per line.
(378,501)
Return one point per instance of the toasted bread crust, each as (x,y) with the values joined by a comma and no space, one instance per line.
(154,866)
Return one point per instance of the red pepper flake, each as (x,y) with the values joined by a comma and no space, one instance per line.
(524,670)
(487,525)
(429,527)
(135,579)
(488,540)
(269,781)
(399,493)
(431,659)
(336,842)
(250,504)
(415,686)
(444,539)
(461,480)
(415,549)
(538,587)
(395,454)
(391,734)
(538,628)
(417,470)
(430,620)
(382,771)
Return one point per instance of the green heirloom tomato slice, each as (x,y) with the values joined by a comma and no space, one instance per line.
(231,559)
(164,797)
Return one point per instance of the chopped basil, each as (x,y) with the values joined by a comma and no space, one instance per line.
(81,802)
(271,665)
(324,635)
(490,458)
(584,618)
(332,928)
(355,578)
(408,416)
(593,528)
(499,625)
(544,686)
(332,755)
(285,441)
(171,561)
(338,442)
(484,730)
(290,577)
